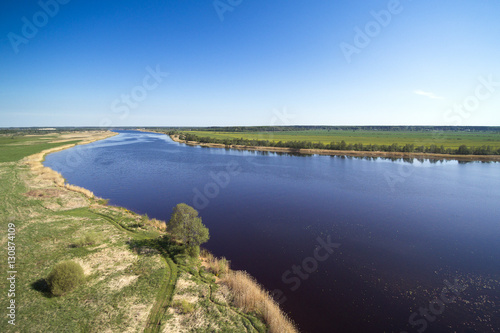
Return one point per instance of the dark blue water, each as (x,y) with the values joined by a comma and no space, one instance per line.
(397,229)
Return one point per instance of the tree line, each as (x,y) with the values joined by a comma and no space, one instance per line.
(342,145)
(338,128)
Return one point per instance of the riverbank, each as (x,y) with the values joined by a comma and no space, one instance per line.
(35,161)
(373,154)
(138,280)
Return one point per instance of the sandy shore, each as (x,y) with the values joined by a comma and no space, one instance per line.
(482,158)
(35,161)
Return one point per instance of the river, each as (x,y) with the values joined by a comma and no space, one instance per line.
(345,244)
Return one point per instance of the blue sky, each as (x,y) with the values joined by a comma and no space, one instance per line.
(241,62)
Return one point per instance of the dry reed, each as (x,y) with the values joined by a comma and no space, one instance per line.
(251,297)
(219,267)
(157,224)
(78,189)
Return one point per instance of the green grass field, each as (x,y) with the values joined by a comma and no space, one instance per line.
(13,148)
(448,139)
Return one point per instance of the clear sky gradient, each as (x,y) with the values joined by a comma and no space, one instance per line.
(260,62)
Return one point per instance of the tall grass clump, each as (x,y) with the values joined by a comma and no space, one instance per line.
(217,266)
(251,297)
(64,277)
(157,224)
(88,239)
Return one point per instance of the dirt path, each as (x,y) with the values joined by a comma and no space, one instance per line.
(164,298)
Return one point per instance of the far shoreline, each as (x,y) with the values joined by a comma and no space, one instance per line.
(350,153)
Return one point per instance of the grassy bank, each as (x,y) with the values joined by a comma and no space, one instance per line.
(460,145)
(447,139)
(350,153)
(137,278)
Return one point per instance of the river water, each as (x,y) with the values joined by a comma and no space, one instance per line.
(345,244)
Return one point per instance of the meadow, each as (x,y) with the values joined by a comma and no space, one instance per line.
(13,148)
(448,139)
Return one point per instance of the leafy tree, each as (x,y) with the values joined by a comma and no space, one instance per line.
(463,150)
(408,148)
(186,226)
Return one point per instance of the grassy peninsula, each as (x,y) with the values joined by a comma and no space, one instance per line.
(137,278)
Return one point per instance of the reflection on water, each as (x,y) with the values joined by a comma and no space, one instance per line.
(404,226)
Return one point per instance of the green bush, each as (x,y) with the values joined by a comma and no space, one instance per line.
(193,251)
(64,277)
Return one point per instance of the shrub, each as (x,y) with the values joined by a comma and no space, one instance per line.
(64,277)
(193,251)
